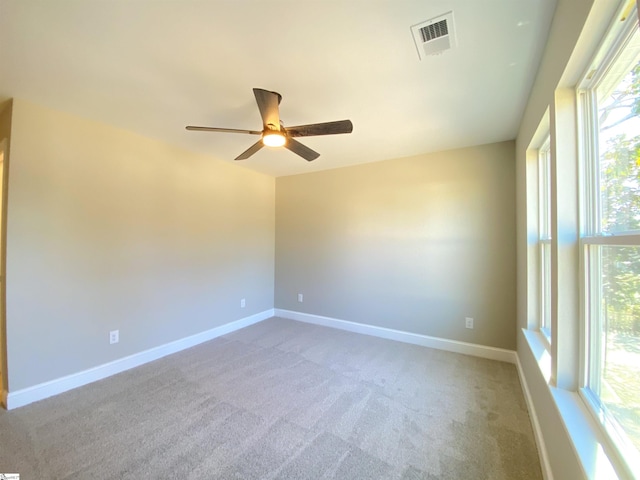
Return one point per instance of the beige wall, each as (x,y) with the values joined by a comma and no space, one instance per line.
(5,136)
(110,230)
(414,244)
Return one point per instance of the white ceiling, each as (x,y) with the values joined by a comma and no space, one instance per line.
(155,66)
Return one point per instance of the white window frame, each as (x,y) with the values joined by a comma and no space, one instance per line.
(592,239)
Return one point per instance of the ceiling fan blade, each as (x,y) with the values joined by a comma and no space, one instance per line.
(268,105)
(302,150)
(224,130)
(327,128)
(250,151)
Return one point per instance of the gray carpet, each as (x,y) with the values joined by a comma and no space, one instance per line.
(283,400)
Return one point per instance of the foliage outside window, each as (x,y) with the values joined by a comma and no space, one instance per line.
(610,114)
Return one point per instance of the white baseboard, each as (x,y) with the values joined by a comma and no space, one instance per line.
(465,348)
(28,395)
(547,473)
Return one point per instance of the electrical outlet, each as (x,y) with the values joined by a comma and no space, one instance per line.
(114,336)
(243,303)
(300,297)
(468,322)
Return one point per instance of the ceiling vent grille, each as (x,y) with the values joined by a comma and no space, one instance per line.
(434,36)
(433,31)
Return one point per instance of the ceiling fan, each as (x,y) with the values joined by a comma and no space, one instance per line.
(275,134)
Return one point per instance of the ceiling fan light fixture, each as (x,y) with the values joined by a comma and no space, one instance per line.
(274,139)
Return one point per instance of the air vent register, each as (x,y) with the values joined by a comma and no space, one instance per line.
(434,36)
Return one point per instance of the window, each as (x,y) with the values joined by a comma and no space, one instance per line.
(609,100)
(544,232)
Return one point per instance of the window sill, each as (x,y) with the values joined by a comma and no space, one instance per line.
(540,349)
(585,435)
(546,335)
(587,440)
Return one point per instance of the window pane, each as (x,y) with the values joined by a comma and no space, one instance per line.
(619,142)
(544,177)
(620,336)
(546,288)
(544,227)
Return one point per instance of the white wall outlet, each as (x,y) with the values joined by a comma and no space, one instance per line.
(300,297)
(114,336)
(243,303)
(468,322)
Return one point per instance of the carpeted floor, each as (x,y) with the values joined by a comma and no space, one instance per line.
(283,400)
